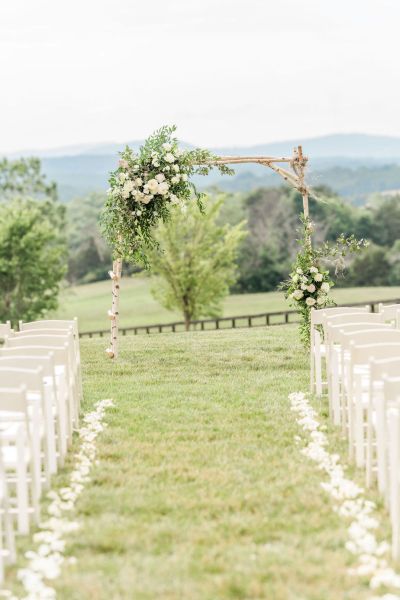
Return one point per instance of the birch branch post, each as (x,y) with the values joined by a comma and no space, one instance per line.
(294,175)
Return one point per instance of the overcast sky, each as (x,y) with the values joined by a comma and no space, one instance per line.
(225,71)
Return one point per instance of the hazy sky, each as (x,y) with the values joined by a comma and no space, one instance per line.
(225,71)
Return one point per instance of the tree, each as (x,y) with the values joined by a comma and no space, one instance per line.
(23,177)
(32,259)
(89,255)
(371,268)
(196,264)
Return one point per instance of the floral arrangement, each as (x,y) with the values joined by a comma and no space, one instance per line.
(145,186)
(309,283)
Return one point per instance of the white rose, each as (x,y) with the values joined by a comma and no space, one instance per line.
(303,286)
(311,288)
(167,146)
(135,168)
(122,177)
(321,300)
(128,187)
(178,152)
(313,270)
(169,158)
(160,177)
(318,277)
(295,278)
(147,199)
(153,185)
(156,163)
(176,168)
(163,188)
(174,199)
(175,179)
(184,177)
(325,287)
(138,181)
(298,295)
(310,301)
(138,213)
(299,271)
(125,194)
(167,168)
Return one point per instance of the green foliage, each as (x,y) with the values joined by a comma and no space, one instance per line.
(23,178)
(371,268)
(196,265)
(309,283)
(145,187)
(32,259)
(89,256)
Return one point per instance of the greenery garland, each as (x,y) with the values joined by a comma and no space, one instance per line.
(145,186)
(309,283)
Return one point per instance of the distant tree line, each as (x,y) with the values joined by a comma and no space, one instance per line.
(265,254)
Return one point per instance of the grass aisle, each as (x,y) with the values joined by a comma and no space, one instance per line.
(201,493)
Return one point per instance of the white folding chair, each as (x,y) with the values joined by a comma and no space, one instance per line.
(18,454)
(59,324)
(61,347)
(7,536)
(385,362)
(41,419)
(317,347)
(336,365)
(353,373)
(392,398)
(13,357)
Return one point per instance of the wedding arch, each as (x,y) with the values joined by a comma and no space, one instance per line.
(134,184)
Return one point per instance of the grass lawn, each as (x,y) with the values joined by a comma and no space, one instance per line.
(200,492)
(90,303)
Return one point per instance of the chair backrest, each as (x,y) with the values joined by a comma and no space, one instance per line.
(21,361)
(48,341)
(50,324)
(48,331)
(318,315)
(359,317)
(369,336)
(14,377)
(334,332)
(60,353)
(13,399)
(363,353)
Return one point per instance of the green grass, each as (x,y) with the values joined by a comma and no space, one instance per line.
(200,492)
(90,303)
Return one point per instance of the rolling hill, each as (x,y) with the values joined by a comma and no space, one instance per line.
(354,165)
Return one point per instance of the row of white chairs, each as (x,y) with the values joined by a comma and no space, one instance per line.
(355,360)
(40,398)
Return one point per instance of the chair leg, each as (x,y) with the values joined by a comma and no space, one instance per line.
(22,486)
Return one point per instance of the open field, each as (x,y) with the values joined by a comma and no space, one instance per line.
(200,491)
(90,303)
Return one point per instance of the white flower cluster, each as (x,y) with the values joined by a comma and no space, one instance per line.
(143,185)
(311,287)
(45,563)
(349,503)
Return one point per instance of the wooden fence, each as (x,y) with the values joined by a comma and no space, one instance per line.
(281,317)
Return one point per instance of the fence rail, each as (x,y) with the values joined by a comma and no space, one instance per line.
(280,317)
